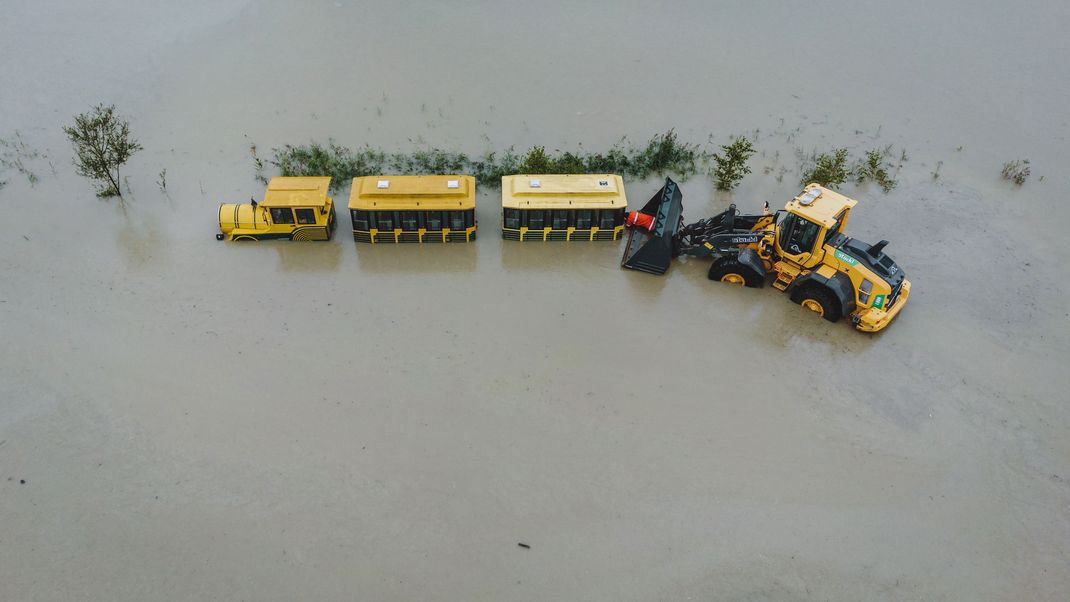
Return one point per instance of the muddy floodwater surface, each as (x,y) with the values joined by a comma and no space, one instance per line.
(187,419)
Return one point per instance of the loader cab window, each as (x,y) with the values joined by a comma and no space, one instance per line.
(835,228)
(282,215)
(797,235)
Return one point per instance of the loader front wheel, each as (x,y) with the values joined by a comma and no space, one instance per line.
(820,301)
(730,271)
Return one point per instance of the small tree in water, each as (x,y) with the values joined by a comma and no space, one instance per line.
(102,144)
(731,163)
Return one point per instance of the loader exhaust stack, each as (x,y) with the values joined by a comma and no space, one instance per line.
(653,230)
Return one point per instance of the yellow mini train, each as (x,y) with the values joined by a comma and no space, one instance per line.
(293,209)
(395,209)
(563,207)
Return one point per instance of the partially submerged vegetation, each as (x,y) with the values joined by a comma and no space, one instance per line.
(730,165)
(1016,171)
(874,167)
(827,169)
(15,155)
(663,154)
(102,144)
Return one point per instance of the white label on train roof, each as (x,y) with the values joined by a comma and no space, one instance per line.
(534,183)
(383,184)
(453,184)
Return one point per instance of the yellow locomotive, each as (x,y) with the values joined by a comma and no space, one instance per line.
(293,209)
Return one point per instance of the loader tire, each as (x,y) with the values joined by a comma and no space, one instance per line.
(730,271)
(819,300)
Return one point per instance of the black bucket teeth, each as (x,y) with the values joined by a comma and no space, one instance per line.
(651,250)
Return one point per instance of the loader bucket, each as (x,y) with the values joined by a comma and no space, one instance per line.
(652,250)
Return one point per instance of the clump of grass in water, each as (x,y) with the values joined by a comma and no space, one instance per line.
(258,163)
(827,169)
(936,172)
(13,155)
(489,169)
(662,154)
(731,163)
(1016,171)
(873,168)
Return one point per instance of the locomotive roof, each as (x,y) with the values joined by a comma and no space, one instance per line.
(297,192)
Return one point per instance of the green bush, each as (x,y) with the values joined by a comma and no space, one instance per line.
(663,154)
(730,165)
(827,169)
(873,168)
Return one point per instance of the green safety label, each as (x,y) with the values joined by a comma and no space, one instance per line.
(844,257)
(878,301)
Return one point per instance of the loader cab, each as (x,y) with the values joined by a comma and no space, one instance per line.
(809,221)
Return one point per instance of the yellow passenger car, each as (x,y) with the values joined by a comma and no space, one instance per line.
(413,209)
(563,207)
(293,208)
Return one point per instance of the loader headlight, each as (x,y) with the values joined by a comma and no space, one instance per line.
(864,290)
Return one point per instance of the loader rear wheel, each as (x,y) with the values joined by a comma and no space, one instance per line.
(730,271)
(820,301)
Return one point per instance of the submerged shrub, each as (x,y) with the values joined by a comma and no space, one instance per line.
(664,153)
(827,169)
(730,165)
(873,168)
(1016,171)
(536,161)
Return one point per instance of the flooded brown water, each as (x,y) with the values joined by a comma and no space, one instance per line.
(201,420)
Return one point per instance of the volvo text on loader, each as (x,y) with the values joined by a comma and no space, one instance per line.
(802,249)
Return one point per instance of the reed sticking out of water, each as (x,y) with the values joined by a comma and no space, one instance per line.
(14,154)
(662,154)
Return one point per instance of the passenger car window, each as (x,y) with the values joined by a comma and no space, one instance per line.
(560,219)
(305,216)
(456,220)
(385,220)
(433,220)
(360,220)
(535,219)
(512,218)
(583,219)
(608,219)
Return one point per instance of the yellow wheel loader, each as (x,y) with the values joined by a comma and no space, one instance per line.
(802,249)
